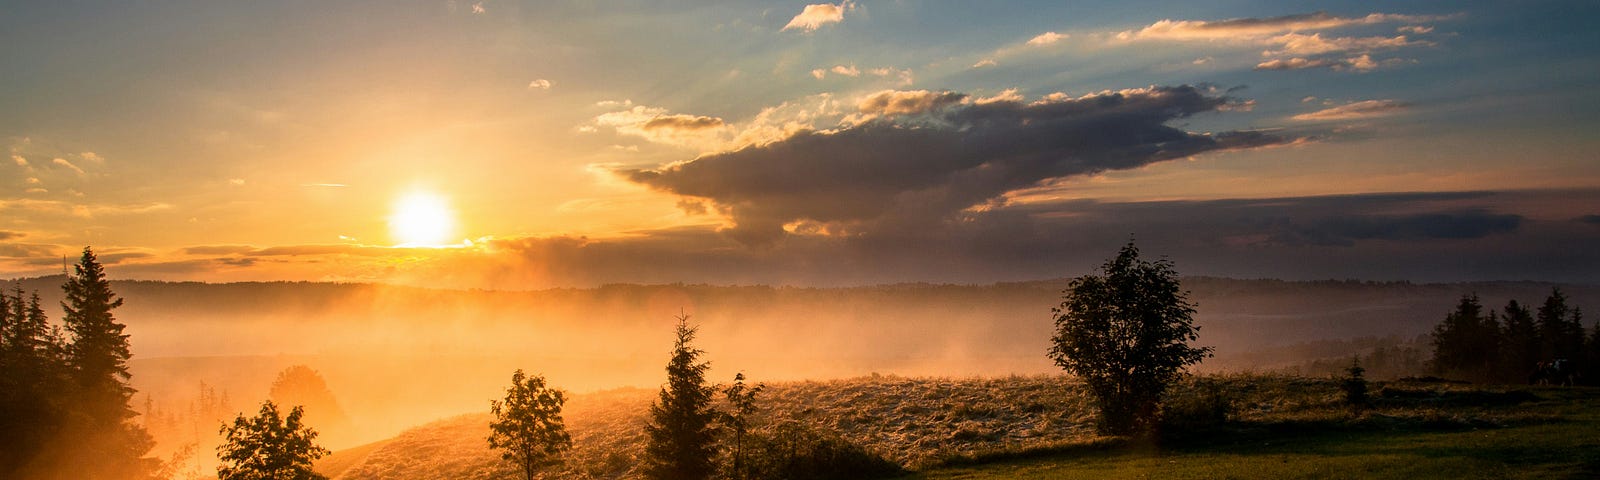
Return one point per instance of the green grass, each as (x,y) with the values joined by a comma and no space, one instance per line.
(1554,436)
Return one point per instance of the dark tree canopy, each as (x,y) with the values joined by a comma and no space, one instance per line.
(1126,334)
(527,426)
(269,446)
(682,435)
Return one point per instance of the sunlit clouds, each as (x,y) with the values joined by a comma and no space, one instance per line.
(561,144)
(816,15)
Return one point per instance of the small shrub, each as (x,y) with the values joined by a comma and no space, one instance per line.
(1354,385)
(1201,407)
(792,451)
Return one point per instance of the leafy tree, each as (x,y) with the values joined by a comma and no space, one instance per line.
(269,447)
(682,438)
(106,443)
(300,385)
(528,426)
(1126,335)
(741,408)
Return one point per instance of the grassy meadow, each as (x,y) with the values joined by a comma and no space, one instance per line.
(1234,426)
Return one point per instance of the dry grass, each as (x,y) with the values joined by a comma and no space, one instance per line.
(928,423)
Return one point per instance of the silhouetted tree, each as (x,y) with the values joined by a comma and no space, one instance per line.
(1560,335)
(1519,344)
(1592,357)
(741,410)
(682,438)
(106,443)
(1126,334)
(1465,343)
(1354,384)
(527,425)
(269,447)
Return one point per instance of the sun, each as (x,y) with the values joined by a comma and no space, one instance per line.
(421,219)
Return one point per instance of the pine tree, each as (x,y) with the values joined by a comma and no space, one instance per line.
(107,442)
(1520,345)
(682,437)
(1465,342)
(1560,335)
(1126,334)
(528,427)
(269,447)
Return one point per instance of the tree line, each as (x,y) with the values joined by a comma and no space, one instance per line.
(64,389)
(1516,344)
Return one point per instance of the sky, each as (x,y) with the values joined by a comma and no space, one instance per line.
(520,145)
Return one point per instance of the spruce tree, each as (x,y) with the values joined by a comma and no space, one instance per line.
(1560,335)
(682,437)
(108,443)
(1464,344)
(1519,343)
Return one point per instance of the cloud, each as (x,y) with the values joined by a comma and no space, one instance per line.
(217,249)
(1415,29)
(1358,110)
(6,235)
(1256,27)
(987,62)
(1046,38)
(657,125)
(897,102)
(323,185)
(682,122)
(19,160)
(1361,63)
(477,8)
(920,157)
(540,84)
(848,71)
(1590,219)
(1292,42)
(816,15)
(1316,44)
(63,162)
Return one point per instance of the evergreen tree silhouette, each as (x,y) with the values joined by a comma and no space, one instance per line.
(682,437)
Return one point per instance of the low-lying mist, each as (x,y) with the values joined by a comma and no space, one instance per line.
(395,357)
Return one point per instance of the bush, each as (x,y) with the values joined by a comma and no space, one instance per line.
(1201,407)
(792,451)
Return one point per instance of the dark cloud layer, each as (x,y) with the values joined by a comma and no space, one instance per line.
(925,156)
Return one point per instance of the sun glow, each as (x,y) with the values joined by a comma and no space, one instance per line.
(421,219)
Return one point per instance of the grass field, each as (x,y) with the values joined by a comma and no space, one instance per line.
(1041,427)
(1555,434)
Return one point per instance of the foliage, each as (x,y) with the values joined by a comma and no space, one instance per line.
(300,385)
(1471,345)
(528,426)
(1126,334)
(269,447)
(1466,343)
(1194,406)
(681,431)
(741,400)
(793,451)
(1354,385)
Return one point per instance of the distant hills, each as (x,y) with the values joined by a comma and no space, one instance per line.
(398,356)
